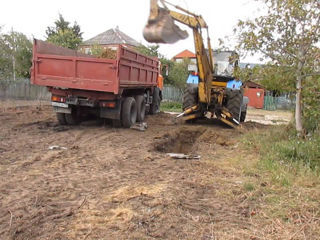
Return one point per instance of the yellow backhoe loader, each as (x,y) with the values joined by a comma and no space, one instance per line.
(217,93)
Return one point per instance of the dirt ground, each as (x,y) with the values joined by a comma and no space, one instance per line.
(99,182)
(269,117)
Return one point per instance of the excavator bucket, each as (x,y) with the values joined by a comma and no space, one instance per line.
(162,29)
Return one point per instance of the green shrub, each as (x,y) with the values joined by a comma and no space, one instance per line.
(311,104)
(171,106)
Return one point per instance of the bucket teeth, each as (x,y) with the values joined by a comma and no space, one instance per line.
(163,29)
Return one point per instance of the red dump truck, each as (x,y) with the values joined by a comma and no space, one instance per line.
(122,89)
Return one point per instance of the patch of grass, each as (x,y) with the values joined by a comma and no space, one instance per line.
(281,150)
(171,106)
(248,186)
(280,179)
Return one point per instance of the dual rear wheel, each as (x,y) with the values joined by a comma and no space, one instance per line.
(133,110)
(68,119)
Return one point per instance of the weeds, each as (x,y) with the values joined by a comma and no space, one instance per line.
(280,148)
(171,106)
(248,187)
(281,183)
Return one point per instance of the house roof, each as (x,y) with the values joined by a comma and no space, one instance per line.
(185,54)
(111,36)
(251,84)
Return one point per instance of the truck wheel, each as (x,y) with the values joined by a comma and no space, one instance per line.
(243,116)
(155,105)
(190,96)
(234,103)
(61,118)
(141,108)
(72,119)
(129,112)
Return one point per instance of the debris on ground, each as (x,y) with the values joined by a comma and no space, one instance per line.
(183,156)
(56,147)
(140,126)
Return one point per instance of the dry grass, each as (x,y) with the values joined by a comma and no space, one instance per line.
(129,192)
(7,104)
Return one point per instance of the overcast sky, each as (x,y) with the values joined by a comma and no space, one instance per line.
(33,16)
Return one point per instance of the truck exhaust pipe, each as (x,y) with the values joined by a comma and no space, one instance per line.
(162,29)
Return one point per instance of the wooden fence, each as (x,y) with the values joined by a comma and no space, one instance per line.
(171,93)
(23,90)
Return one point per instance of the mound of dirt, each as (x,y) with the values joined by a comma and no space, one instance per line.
(162,119)
(222,138)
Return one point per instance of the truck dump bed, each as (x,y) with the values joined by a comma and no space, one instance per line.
(65,68)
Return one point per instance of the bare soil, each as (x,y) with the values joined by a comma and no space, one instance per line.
(278,117)
(107,183)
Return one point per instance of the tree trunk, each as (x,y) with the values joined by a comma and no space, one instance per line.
(298,112)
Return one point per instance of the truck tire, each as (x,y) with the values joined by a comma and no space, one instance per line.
(234,102)
(155,105)
(72,118)
(141,108)
(243,116)
(190,96)
(61,118)
(129,112)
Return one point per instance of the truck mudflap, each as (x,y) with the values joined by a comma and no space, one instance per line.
(111,113)
(62,110)
(61,107)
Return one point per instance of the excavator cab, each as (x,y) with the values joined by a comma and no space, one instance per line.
(161,27)
(226,63)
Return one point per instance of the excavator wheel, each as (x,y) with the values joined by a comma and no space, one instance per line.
(243,116)
(190,96)
(234,101)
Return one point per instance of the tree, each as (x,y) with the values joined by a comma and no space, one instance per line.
(62,34)
(166,64)
(178,74)
(6,69)
(311,102)
(151,50)
(15,56)
(274,78)
(287,36)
